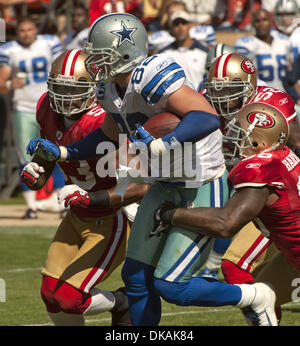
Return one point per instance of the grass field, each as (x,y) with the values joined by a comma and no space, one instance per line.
(22,254)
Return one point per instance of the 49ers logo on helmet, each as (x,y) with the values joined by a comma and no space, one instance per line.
(261,119)
(248,66)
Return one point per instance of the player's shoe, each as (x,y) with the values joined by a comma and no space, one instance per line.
(262,310)
(29,214)
(207,273)
(120,312)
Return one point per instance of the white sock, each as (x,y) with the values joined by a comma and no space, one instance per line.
(214,261)
(64,319)
(101,301)
(29,197)
(248,295)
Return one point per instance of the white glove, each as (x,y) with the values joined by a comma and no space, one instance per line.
(30,173)
(73,195)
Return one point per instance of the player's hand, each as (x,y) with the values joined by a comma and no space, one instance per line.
(44,148)
(162,218)
(31,173)
(142,135)
(74,196)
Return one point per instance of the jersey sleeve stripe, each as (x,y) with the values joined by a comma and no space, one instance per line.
(157,79)
(165,85)
(4,59)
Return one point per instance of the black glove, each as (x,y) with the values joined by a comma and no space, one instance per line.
(162,218)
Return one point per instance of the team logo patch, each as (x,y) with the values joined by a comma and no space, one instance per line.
(283,101)
(253,165)
(124,34)
(248,66)
(261,119)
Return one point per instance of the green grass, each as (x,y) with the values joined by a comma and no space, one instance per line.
(23,251)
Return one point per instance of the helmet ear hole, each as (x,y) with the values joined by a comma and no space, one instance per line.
(126,57)
(255,144)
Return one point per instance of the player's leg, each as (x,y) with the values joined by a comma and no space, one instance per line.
(141,258)
(248,250)
(185,252)
(281,274)
(77,261)
(25,128)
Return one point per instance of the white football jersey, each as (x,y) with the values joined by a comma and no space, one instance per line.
(271,60)
(78,41)
(151,83)
(191,59)
(295,42)
(35,61)
(161,39)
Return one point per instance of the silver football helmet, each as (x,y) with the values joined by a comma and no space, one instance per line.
(285,15)
(117,43)
(215,51)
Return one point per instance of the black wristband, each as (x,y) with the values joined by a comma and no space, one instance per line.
(167,216)
(99,199)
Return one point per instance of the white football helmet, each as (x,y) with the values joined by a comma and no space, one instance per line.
(285,15)
(117,43)
(70,88)
(232,82)
(215,51)
(256,128)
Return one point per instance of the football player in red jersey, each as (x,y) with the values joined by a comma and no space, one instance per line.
(90,243)
(266,182)
(232,83)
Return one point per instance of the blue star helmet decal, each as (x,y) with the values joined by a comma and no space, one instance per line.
(124,34)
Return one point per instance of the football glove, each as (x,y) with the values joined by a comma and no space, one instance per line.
(162,218)
(73,196)
(44,148)
(141,135)
(30,173)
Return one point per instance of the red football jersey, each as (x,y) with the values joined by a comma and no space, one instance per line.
(278,99)
(83,173)
(279,169)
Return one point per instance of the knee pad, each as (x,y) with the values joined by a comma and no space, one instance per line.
(47,293)
(71,300)
(234,274)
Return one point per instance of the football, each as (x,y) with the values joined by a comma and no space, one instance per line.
(161,124)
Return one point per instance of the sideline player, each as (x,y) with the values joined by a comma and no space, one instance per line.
(137,88)
(266,183)
(270,50)
(90,243)
(24,66)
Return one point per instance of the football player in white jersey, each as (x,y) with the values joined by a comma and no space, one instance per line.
(25,63)
(136,88)
(269,49)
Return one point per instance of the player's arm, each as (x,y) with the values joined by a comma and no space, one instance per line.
(7,84)
(81,150)
(198,120)
(223,222)
(73,195)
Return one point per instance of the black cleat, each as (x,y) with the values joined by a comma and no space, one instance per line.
(120,312)
(30,214)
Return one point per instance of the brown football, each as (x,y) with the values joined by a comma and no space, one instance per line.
(161,124)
